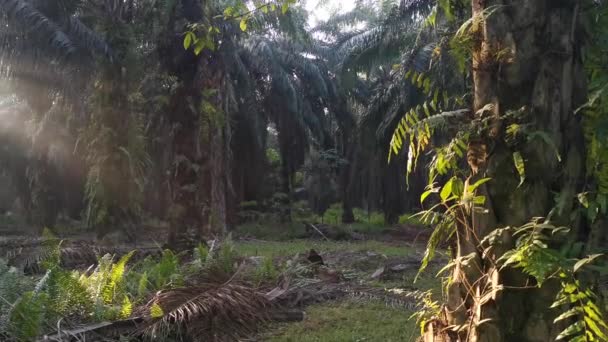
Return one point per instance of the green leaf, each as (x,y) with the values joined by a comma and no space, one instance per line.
(592,325)
(199,46)
(592,211)
(571,330)
(585,261)
(156,311)
(126,308)
(580,338)
(426,194)
(284,8)
(264,9)
(591,313)
(447,190)
(188,40)
(592,99)
(243,24)
(228,11)
(420,80)
(568,314)
(583,199)
(479,200)
(446,6)
(458,187)
(520,166)
(477,184)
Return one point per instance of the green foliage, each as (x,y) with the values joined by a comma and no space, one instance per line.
(108,288)
(273,156)
(430,309)
(455,202)
(419,123)
(266,272)
(227,257)
(150,275)
(28,316)
(531,252)
(578,302)
(204,36)
(69,296)
(13,285)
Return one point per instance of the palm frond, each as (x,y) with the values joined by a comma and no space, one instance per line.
(227,311)
(25,16)
(87,39)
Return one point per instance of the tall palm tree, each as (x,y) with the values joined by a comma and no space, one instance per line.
(366,45)
(45,47)
(250,79)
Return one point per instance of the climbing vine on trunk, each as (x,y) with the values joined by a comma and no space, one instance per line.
(513,276)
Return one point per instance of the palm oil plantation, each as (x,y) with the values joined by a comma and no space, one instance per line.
(304,170)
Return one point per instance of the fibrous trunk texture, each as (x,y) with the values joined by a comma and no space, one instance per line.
(525,58)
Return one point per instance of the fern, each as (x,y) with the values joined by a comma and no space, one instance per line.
(532,254)
(12,285)
(153,275)
(112,288)
(419,123)
(589,323)
(28,316)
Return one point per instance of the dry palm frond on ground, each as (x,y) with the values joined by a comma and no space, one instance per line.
(208,313)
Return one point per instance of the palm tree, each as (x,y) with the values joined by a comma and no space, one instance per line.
(44,48)
(250,79)
(366,45)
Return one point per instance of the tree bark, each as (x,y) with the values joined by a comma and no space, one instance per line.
(525,58)
(211,77)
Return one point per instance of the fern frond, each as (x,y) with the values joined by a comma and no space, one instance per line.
(417,126)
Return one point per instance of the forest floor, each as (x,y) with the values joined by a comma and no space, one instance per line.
(386,258)
(383,258)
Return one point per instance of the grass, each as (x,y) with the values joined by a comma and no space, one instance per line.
(289,248)
(349,321)
(271,231)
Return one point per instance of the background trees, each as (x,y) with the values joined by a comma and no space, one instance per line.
(143,127)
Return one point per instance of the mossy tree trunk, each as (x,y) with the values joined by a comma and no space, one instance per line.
(525,57)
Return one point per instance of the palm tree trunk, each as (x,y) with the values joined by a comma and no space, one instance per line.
(184,209)
(346,174)
(211,78)
(525,57)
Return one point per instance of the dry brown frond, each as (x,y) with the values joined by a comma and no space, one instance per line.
(208,313)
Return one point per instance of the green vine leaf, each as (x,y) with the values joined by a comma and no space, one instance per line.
(572,312)
(446,191)
(571,330)
(427,194)
(518,160)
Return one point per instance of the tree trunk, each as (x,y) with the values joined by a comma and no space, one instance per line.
(212,78)
(525,58)
(185,209)
(346,174)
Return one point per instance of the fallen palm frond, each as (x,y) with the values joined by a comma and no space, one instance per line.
(394,298)
(96,331)
(207,313)
(28,255)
